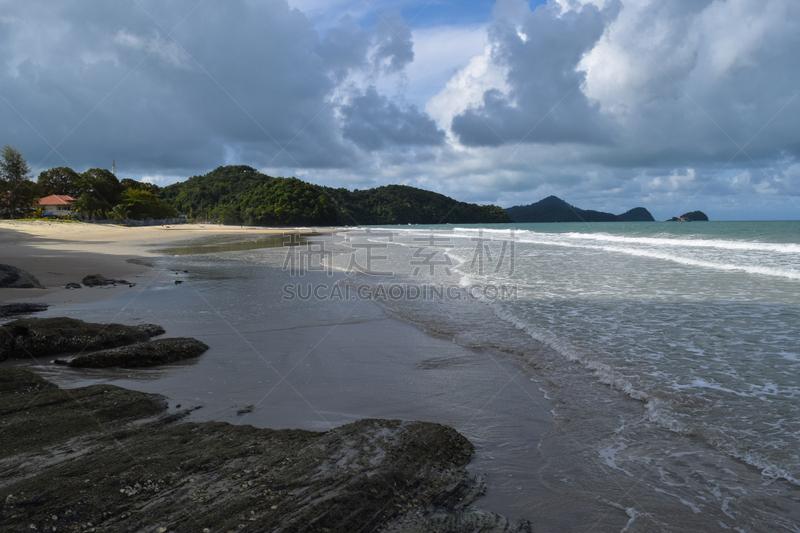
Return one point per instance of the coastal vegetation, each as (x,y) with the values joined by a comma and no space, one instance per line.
(98,192)
(554,209)
(18,194)
(241,195)
(100,195)
(234,194)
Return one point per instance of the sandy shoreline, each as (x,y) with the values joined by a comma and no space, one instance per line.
(299,364)
(59,253)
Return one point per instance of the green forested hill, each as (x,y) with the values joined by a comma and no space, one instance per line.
(400,204)
(242,195)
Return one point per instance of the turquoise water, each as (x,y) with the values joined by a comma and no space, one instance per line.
(671,352)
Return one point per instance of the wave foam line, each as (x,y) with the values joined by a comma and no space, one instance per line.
(786,248)
(658,411)
(783,248)
(766,271)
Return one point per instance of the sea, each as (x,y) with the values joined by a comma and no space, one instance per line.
(670,352)
(640,376)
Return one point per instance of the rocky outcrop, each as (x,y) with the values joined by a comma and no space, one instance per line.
(12,277)
(97,280)
(143,354)
(160,474)
(8,310)
(698,216)
(691,216)
(43,337)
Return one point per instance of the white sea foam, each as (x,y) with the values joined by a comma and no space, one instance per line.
(783,248)
(666,249)
(717,265)
(701,329)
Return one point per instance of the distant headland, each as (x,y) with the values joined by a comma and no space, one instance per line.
(554,209)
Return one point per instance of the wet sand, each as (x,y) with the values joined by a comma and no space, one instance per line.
(318,365)
(326,371)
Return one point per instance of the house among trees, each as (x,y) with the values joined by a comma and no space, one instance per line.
(59,205)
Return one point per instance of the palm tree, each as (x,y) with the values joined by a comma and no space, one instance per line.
(120,212)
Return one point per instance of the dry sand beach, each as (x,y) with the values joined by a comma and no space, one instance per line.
(296,365)
(58,253)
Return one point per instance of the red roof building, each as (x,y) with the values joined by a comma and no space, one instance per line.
(57,204)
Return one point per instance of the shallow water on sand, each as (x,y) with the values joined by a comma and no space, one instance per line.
(316,365)
(612,392)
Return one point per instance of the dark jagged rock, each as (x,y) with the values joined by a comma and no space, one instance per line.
(19,380)
(149,353)
(72,285)
(97,280)
(120,472)
(35,413)
(152,330)
(42,337)
(21,309)
(12,277)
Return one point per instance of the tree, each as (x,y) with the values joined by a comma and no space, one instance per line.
(145,204)
(228,216)
(60,180)
(100,190)
(120,212)
(139,185)
(18,192)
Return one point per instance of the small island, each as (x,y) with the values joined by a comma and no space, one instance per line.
(692,216)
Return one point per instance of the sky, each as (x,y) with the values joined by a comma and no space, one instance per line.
(672,105)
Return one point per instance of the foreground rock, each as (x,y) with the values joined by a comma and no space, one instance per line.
(8,310)
(97,280)
(64,468)
(150,353)
(12,277)
(42,337)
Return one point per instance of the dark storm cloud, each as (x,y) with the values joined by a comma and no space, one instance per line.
(395,47)
(246,79)
(373,122)
(541,51)
(345,47)
(694,81)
